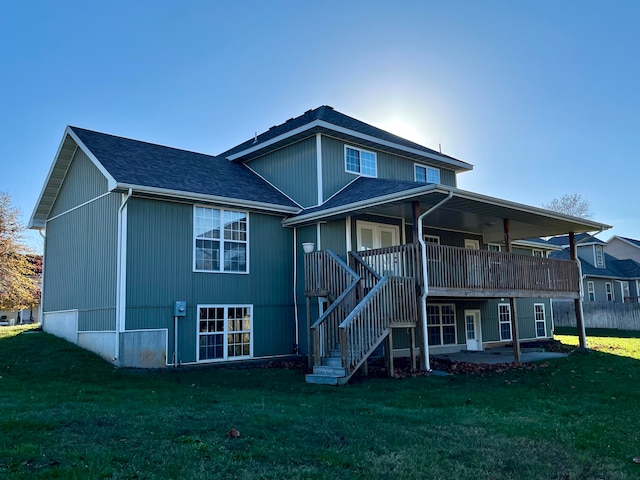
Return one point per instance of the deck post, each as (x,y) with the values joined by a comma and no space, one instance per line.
(412,347)
(415,210)
(390,352)
(506,224)
(309,336)
(515,334)
(577,303)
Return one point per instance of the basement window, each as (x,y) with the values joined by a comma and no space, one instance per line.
(225,332)
(441,324)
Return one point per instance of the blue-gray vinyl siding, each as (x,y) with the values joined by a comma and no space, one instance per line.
(293,170)
(304,234)
(333,237)
(80,263)
(334,176)
(160,272)
(600,289)
(82,183)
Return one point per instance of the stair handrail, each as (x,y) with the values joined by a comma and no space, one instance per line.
(376,311)
(325,329)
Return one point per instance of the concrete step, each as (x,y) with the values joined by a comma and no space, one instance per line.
(327,370)
(332,361)
(321,379)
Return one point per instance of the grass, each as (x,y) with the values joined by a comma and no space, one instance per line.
(67,414)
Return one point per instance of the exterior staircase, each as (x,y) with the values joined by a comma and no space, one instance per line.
(366,307)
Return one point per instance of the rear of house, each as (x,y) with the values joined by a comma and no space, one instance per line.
(132,228)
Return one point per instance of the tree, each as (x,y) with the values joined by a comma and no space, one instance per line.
(19,283)
(570,204)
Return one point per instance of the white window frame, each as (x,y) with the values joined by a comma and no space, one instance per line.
(536,252)
(431,239)
(494,247)
(598,256)
(540,316)
(625,291)
(504,318)
(431,174)
(591,291)
(222,241)
(608,289)
(225,334)
(441,325)
(360,151)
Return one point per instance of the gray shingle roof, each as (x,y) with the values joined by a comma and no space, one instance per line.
(581,238)
(619,269)
(329,115)
(145,164)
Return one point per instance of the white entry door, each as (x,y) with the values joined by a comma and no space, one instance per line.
(473,329)
(376,235)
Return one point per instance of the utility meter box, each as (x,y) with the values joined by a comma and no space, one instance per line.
(180,309)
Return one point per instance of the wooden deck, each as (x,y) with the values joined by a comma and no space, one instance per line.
(461,272)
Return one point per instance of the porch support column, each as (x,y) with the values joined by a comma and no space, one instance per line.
(415,210)
(577,303)
(390,366)
(515,331)
(506,224)
(515,334)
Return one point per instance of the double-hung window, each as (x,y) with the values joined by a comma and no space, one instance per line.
(539,313)
(609,291)
(425,174)
(441,324)
(360,162)
(220,240)
(591,290)
(504,319)
(599,255)
(224,332)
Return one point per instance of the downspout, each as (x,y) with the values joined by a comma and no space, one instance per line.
(121,271)
(425,290)
(296,347)
(44,249)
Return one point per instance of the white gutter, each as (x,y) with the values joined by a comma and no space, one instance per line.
(425,290)
(121,273)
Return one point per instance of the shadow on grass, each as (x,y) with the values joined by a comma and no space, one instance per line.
(599,332)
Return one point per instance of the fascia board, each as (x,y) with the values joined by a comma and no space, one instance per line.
(330,126)
(237,202)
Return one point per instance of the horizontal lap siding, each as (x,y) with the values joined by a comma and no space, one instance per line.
(82,183)
(80,263)
(159,272)
(292,170)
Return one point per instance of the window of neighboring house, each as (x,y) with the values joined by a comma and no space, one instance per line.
(426,174)
(224,332)
(504,320)
(624,287)
(441,324)
(599,252)
(609,290)
(591,290)
(360,162)
(494,247)
(220,240)
(539,314)
(538,253)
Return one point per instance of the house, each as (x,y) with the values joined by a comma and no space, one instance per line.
(156,256)
(623,247)
(606,278)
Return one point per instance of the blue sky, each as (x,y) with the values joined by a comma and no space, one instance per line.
(542,97)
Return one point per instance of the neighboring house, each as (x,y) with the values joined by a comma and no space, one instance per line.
(605,277)
(623,247)
(133,227)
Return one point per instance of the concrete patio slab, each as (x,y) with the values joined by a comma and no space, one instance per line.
(500,355)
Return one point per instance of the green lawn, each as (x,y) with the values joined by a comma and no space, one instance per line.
(66,414)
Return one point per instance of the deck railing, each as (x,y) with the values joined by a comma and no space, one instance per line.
(461,271)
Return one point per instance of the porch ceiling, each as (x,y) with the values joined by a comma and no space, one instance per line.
(464,211)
